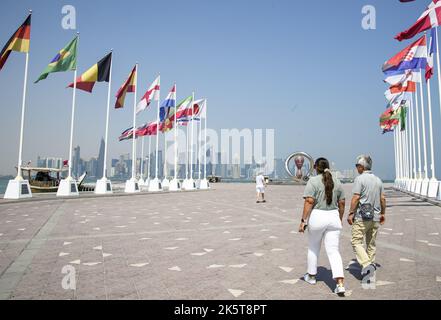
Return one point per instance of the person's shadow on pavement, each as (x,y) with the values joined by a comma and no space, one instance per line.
(325,275)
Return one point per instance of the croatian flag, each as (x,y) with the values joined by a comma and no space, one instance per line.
(413,57)
(432,50)
(430,18)
(151,94)
(169,102)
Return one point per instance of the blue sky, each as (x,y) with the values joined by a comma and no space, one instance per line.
(305,68)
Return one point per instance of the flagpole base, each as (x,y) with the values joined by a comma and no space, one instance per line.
(165,184)
(141,182)
(433,188)
(425,187)
(204,184)
(68,188)
(438,196)
(418,184)
(155,185)
(175,185)
(132,186)
(190,185)
(18,189)
(197,183)
(103,186)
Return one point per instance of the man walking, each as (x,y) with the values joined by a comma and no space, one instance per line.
(260,187)
(367,213)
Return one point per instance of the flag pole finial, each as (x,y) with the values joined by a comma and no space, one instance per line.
(30,11)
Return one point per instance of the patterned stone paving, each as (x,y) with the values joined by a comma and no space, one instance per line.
(216,244)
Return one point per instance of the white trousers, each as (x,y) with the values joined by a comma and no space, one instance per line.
(326,226)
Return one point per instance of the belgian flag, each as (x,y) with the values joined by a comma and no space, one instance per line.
(99,72)
(18,42)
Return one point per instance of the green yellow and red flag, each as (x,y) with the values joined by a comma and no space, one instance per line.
(99,72)
(19,41)
(128,86)
(65,60)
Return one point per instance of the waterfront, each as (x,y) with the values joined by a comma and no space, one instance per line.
(158,246)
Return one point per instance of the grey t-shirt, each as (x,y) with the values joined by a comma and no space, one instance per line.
(370,188)
(316,189)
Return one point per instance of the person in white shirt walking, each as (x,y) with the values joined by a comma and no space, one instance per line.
(260,187)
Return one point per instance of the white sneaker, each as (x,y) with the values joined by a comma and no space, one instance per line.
(310,279)
(339,289)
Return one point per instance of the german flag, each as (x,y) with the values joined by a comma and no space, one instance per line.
(128,86)
(99,72)
(18,42)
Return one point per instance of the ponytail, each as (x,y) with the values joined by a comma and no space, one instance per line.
(322,167)
(329,186)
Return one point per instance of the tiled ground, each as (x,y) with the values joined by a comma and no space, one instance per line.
(216,244)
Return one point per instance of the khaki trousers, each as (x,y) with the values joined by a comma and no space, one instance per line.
(361,230)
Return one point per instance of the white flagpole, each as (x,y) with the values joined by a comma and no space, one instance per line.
(423,128)
(438,66)
(187,153)
(148,167)
(409,140)
(165,153)
(107,119)
(192,133)
(412,128)
(395,155)
(176,138)
(205,138)
(157,137)
(432,152)
(418,133)
(134,126)
(73,116)
(199,130)
(142,157)
(400,172)
(23,109)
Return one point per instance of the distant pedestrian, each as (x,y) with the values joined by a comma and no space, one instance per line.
(322,216)
(260,187)
(367,213)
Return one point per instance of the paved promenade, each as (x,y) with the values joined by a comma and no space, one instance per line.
(216,244)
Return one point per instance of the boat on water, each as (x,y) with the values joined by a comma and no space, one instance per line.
(45,180)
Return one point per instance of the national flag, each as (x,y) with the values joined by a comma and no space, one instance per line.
(128,86)
(183,108)
(65,60)
(167,104)
(412,57)
(432,50)
(127,134)
(20,41)
(387,123)
(168,123)
(407,75)
(406,0)
(430,18)
(151,94)
(149,129)
(98,72)
(199,106)
(408,86)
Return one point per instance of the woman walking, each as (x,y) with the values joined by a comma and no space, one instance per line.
(322,216)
